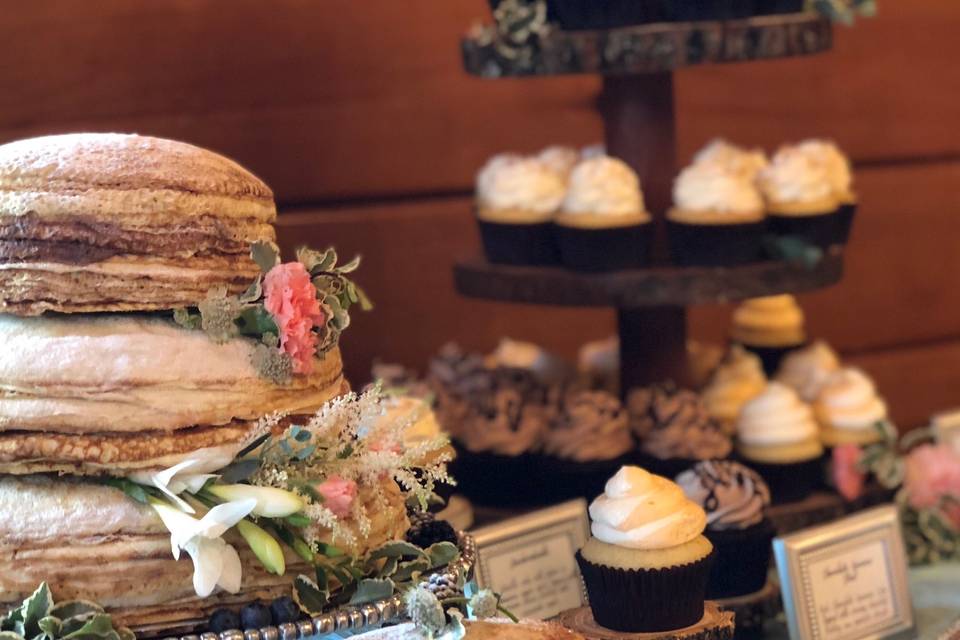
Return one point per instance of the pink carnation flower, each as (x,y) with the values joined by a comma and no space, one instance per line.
(848,478)
(931,473)
(291,299)
(338,494)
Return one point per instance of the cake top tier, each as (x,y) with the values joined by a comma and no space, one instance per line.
(95,222)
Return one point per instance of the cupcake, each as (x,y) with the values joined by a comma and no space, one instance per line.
(837,168)
(744,163)
(849,409)
(598,363)
(770,327)
(577,15)
(496,419)
(800,198)
(515,354)
(777,436)
(717,218)
(735,499)
(674,430)
(737,380)
(647,563)
(587,442)
(517,198)
(806,369)
(691,10)
(602,224)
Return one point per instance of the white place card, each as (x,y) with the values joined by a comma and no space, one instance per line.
(530,560)
(847,580)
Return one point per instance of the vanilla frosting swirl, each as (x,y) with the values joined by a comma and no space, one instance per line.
(602,185)
(794,177)
(807,369)
(732,495)
(639,510)
(849,400)
(510,181)
(738,379)
(776,417)
(743,163)
(710,187)
(592,426)
(834,163)
(559,158)
(769,318)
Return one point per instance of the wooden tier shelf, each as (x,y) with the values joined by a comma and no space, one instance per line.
(648,48)
(654,287)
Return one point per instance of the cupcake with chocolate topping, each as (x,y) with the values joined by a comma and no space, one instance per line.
(800,198)
(602,224)
(496,419)
(587,442)
(517,198)
(770,327)
(647,563)
(837,167)
(807,369)
(737,380)
(674,429)
(849,409)
(735,499)
(777,435)
(717,217)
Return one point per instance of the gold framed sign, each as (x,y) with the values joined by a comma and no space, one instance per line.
(847,580)
(530,560)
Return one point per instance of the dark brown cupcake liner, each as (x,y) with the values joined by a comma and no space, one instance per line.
(771,357)
(646,600)
(666,467)
(562,480)
(496,480)
(767,7)
(822,230)
(610,249)
(519,244)
(575,15)
(847,214)
(715,245)
(742,560)
(689,10)
(791,482)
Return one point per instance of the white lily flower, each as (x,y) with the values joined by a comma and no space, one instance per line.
(215,563)
(189,475)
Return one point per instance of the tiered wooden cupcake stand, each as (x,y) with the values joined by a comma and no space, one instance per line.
(637,107)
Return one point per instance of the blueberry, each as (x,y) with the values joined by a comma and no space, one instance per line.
(255,615)
(224,620)
(429,533)
(284,609)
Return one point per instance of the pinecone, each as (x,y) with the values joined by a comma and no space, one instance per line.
(419,518)
(442,586)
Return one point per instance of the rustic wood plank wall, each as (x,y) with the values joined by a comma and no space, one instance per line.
(360,117)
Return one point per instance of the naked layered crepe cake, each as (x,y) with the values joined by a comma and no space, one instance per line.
(98,406)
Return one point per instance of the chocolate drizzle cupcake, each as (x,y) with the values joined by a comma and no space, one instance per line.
(735,499)
(674,429)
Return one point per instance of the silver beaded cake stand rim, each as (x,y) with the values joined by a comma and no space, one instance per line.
(347,617)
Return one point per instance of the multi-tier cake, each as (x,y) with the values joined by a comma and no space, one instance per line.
(146,348)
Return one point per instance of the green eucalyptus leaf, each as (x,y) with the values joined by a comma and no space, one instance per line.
(298,520)
(388,568)
(372,589)
(133,490)
(411,569)
(254,291)
(350,266)
(74,608)
(266,254)
(99,626)
(309,596)
(50,627)
(397,549)
(442,554)
(37,606)
(239,470)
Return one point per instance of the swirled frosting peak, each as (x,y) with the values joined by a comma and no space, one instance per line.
(603,185)
(711,187)
(732,495)
(834,163)
(793,176)
(559,158)
(639,510)
(738,379)
(807,369)
(849,400)
(743,163)
(510,181)
(776,417)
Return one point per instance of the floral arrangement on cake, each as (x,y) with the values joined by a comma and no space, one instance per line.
(439,615)
(294,309)
(926,477)
(298,485)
